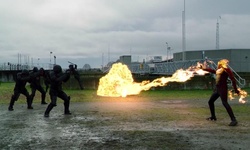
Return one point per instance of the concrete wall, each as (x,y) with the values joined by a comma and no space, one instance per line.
(241,60)
(7,76)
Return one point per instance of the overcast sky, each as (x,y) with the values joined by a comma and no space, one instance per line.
(97,31)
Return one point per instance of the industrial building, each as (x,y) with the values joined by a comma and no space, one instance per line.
(239,59)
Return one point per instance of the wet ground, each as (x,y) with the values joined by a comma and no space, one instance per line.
(119,125)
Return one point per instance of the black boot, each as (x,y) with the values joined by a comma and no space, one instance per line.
(49,108)
(212,118)
(233,122)
(29,103)
(43,98)
(43,103)
(12,101)
(31,98)
(66,107)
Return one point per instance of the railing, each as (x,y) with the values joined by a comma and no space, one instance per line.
(168,68)
(27,66)
(239,80)
(164,68)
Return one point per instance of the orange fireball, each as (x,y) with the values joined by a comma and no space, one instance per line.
(117,82)
(120,83)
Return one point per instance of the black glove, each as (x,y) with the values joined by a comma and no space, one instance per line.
(237,91)
(68,71)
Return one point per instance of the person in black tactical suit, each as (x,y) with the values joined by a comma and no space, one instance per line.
(56,79)
(46,79)
(36,84)
(21,80)
(73,69)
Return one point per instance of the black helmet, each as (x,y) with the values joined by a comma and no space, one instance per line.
(25,72)
(71,66)
(35,69)
(57,69)
(41,71)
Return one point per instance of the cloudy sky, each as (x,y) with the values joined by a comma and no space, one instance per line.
(97,31)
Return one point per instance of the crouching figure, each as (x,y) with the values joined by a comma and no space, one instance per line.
(57,77)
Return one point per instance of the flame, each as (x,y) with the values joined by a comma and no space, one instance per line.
(242,94)
(120,83)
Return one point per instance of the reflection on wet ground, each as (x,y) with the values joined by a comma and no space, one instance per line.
(113,125)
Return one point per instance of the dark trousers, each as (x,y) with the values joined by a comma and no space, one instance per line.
(222,93)
(41,90)
(53,103)
(16,95)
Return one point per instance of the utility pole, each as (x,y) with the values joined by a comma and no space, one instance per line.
(167,50)
(102,61)
(50,65)
(183,33)
(218,34)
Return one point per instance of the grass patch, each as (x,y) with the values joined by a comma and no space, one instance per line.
(177,94)
(91,96)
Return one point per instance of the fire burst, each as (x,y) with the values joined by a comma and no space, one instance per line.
(242,94)
(120,83)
